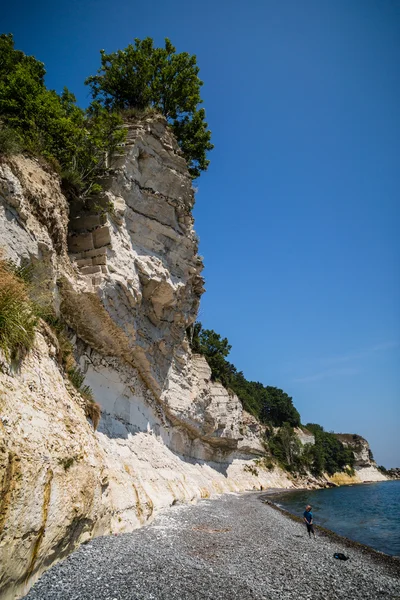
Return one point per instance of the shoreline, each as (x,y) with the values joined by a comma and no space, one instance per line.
(235,547)
(324,531)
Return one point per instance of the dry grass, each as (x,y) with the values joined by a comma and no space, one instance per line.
(17,318)
(93,412)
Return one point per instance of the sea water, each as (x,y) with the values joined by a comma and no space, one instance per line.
(367,513)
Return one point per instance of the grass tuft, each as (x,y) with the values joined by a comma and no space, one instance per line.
(92,409)
(17,318)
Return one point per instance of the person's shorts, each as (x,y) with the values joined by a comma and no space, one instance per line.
(310,528)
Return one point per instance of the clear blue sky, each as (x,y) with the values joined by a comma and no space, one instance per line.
(298,214)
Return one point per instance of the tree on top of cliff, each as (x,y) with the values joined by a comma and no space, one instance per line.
(51,125)
(215,349)
(142,76)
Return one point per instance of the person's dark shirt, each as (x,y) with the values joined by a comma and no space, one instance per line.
(308,516)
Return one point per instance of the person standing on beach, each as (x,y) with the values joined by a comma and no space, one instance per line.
(308,520)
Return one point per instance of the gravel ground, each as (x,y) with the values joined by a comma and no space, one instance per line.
(229,548)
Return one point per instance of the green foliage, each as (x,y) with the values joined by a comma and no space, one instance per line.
(142,76)
(42,122)
(265,462)
(10,141)
(17,319)
(102,135)
(194,140)
(273,407)
(267,403)
(278,407)
(77,378)
(328,454)
(22,271)
(286,448)
(215,349)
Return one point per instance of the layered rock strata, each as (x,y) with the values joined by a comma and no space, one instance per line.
(365,466)
(128,283)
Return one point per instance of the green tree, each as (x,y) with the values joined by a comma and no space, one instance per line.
(53,125)
(215,349)
(286,447)
(269,404)
(142,76)
(330,455)
(278,408)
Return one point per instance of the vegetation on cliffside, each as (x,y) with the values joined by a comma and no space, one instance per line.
(41,122)
(328,452)
(273,408)
(20,316)
(268,404)
(17,318)
(142,76)
(79,143)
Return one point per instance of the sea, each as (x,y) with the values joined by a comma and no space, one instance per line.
(366,513)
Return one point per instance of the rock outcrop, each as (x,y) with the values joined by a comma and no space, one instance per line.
(365,466)
(393,473)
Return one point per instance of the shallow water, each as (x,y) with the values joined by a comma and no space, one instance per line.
(368,513)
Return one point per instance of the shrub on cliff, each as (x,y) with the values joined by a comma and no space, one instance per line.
(52,125)
(142,76)
(215,349)
(17,319)
(10,141)
(272,406)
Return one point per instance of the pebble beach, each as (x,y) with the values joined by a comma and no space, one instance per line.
(232,547)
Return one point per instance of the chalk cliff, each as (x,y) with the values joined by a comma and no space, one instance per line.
(127,282)
(365,466)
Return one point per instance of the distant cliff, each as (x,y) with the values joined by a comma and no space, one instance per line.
(365,466)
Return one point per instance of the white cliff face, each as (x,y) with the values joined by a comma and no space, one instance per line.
(62,483)
(148,275)
(128,283)
(305,436)
(128,288)
(148,288)
(364,464)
